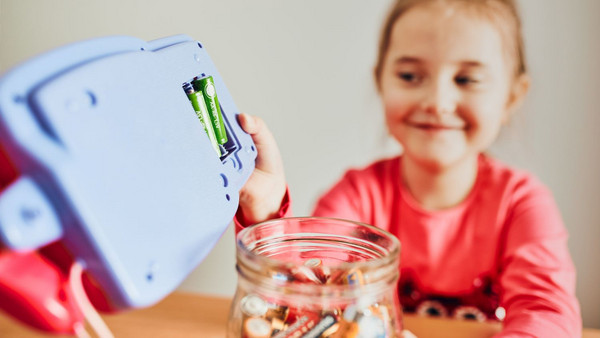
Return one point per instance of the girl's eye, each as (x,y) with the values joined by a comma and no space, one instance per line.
(465,80)
(408,77)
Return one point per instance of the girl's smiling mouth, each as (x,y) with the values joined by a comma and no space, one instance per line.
(433,126)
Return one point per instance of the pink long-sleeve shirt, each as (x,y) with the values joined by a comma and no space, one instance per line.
(503,250)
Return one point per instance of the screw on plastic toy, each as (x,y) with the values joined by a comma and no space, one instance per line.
(27,217)
(153,268)
(18,99)
(30,215)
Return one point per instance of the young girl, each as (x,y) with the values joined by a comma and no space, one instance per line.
(479,240)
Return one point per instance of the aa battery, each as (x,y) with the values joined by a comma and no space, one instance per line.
(276,311)
(198,102)
(321,327)
(356,323)
(277,325)
(321,272)
(312,263)
(206,85)
(345,329)
(253,306)
(302,325)
(256,327)
(371,325)
(305,274)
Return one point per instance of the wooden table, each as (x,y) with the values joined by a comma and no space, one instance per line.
(193,315)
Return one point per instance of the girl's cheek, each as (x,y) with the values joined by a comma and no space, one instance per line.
(395,110)
(396,102)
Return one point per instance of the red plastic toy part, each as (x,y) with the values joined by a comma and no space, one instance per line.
(33,290)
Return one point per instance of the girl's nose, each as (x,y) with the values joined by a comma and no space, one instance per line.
(439,98)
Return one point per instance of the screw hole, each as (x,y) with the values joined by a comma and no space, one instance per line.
(149,277)
(199,45)
(29,215)
(142,49)
(18,99)
(228,197)
(252,147)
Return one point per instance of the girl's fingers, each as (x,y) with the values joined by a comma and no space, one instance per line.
(257,129)
(247,123)
(261,196)
(268,153)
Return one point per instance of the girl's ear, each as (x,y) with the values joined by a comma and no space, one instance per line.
(518,91)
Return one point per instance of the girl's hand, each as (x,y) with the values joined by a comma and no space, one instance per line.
(261,196)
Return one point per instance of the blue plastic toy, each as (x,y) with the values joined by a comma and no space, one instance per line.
(115,164)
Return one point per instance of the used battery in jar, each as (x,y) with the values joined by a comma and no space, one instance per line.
(206,85)
(321,328)
(256,327)
(253,306)
(301,326)
(197,100)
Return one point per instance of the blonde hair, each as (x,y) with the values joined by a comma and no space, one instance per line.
(504,13)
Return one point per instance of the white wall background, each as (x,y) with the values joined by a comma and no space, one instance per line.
(305,68)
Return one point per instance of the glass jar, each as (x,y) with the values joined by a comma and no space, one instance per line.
(316,277)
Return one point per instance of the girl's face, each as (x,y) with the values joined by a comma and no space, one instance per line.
(445,84)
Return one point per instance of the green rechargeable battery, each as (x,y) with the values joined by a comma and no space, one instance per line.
(206,85)
(197,100)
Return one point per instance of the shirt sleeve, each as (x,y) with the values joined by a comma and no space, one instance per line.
(537,274)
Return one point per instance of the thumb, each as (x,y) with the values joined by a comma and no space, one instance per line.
(248,123)
(269,158)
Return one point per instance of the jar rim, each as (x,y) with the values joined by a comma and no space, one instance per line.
(390,255)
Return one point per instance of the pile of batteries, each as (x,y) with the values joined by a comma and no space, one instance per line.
(366,316)
(202,94)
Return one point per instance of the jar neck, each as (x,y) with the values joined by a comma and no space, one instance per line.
(317,258)
(273,284)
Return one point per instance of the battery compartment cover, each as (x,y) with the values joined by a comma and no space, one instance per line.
(115,164)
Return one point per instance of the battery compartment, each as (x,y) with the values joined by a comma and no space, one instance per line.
(231,145)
